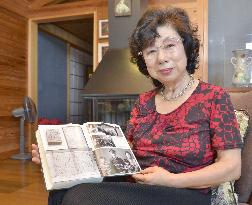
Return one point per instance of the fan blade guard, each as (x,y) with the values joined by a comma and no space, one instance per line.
(30,110)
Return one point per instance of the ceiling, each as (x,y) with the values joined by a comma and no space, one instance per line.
(81,28)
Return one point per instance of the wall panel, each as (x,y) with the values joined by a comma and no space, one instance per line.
(13,76)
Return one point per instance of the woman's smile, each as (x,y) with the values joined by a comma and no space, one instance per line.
(165,71)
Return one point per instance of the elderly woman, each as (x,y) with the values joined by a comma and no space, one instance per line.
(184,132)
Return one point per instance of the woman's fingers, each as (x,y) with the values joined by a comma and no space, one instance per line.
(148,170)
(142,177)
(34,147)
(36,160)
(139,178)
(35,154)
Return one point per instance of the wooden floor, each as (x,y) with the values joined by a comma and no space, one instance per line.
(21,183)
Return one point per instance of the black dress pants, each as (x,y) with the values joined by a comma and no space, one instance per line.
(125,193)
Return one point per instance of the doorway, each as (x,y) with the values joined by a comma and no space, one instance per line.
(65,54)
(33,50)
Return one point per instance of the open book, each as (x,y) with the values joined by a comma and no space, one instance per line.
(72,154)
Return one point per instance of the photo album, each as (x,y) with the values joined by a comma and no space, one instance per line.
(73,154)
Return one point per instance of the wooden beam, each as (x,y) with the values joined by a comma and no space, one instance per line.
(67,9)
(32,60)
(41,3)
(56,1)
(66,36)
(32,72)
(95,42)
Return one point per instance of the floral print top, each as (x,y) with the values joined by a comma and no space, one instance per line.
(187,138)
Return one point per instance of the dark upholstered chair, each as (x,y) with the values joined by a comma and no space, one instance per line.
(243,100)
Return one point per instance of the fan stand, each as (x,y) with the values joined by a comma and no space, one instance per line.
(22,155)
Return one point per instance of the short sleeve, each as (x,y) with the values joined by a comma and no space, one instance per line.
(224,128)
(133,121)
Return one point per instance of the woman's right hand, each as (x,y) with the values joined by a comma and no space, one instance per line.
(35,154)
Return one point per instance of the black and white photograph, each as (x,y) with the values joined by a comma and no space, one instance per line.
(119,132)
(107,129)
(130,162)
(92,128)
(104,165)
(118,161)
(102,141)
(122,7)
(53,137)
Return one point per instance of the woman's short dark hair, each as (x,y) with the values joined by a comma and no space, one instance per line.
(146,31)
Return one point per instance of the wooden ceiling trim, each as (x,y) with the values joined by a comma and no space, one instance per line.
(74,9)
(41,3)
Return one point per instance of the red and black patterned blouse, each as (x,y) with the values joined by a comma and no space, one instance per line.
(187,138)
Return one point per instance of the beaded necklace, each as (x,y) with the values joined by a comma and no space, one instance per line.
(189,84)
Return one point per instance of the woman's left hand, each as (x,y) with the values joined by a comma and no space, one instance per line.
(155,176)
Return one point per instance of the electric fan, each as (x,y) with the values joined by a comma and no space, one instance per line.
(26,113)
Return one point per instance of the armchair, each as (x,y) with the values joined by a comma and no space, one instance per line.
(242,99)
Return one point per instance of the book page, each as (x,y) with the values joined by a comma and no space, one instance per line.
(87,165)
(113,153)
(75,137)
(66,154)
(72,165)
(116,161)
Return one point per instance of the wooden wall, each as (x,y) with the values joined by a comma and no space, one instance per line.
(102,14)
(13,61)
(13,76)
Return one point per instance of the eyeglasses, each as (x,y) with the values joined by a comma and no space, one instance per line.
(169,45)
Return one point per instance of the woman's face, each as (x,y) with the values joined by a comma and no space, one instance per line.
(166,59)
